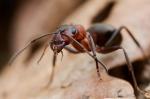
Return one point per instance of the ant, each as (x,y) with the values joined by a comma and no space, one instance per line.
(99,38)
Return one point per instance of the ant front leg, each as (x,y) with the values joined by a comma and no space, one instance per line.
(130,67)
(92,45)
(71,50)
(86,51)
(114,35)
(53,68)
(42,54)
(54,59)
(93,48)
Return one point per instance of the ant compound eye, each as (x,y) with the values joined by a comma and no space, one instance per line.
(74,31)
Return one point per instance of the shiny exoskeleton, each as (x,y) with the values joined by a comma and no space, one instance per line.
(99,38)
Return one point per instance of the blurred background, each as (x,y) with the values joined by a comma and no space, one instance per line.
(7,10)
(23,20)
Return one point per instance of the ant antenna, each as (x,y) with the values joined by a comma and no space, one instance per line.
(33,41)
(42,54)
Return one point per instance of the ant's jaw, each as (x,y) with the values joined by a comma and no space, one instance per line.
(57,48)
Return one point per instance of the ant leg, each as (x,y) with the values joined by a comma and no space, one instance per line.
(114,35)
(52,72)
(136,42)
(71,50)
(92,45)
(54,59)
(86,51)
(33,41)
(134,39)
(42,54)
(130,67)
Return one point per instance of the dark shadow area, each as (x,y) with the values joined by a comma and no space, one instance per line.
(33,50)
(7,10)
(123,73)
(104,14)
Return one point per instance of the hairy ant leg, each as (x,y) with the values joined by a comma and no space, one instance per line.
(86,51)
(92,45)
(93,48)
(129,64)
(71,50)
(109,42)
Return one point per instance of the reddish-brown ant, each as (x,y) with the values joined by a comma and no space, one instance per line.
(101,38)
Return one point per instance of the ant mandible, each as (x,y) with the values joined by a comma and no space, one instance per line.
(100,38)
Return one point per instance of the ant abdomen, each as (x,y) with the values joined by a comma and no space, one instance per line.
(101,34)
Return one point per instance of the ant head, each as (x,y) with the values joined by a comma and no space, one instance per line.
(59,40)
(76,31)
(57,43)
(69,30)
